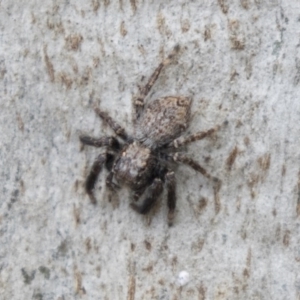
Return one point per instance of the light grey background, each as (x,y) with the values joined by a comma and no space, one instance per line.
(239,61)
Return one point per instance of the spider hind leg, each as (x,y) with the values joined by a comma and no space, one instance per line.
(106,141)
(119,130)
(139,101)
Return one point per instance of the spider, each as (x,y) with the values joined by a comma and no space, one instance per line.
(143,161)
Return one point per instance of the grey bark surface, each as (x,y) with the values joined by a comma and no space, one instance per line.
(239,61)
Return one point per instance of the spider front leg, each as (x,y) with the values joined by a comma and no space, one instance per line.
(138,102)
(154,192)
(137,194)
(93,175)
(109,181)
(170,181)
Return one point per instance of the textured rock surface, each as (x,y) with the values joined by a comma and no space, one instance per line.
(240,62)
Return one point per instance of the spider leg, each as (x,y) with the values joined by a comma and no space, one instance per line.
(179,157)
(110,183)
(108,141)
(137,194)
(93,175)
(120,131)
(154,191)
(181,141)
(139,100)
(171,187)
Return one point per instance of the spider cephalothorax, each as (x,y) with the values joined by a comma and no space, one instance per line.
(135,165)
(143,161)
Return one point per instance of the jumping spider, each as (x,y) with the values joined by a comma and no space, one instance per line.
(142,161)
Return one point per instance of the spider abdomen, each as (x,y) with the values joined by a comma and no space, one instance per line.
(163,120)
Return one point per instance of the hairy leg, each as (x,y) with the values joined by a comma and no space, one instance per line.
(179,157)
(108,141)
(181,141)
(109,181)
(154,192)
(138,101)
(93,175)
(137,194)
(120,131)
(171,187)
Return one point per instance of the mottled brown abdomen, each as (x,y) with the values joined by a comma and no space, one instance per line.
(163,120)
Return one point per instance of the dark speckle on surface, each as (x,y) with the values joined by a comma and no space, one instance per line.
(37,296)
(62,248)
(46,271)
(27,276)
